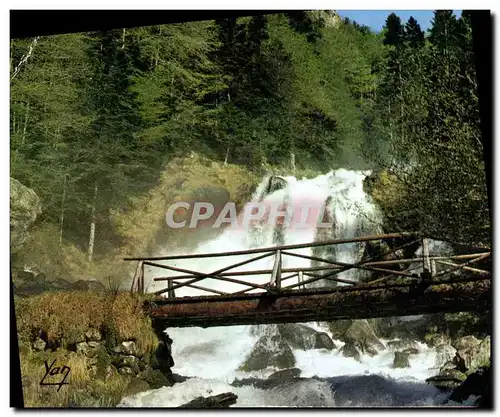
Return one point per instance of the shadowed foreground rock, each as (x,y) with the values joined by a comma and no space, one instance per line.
(216,401)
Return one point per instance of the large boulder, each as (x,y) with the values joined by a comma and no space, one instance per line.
(300,336)
(25,206)
(351,350)
(444,354)
(361,332)
(269,351)
(472,353)
(401,360)
(447,379)
(404,345)
(478,384)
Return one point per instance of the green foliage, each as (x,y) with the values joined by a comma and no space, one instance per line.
(95,117)
(431,92)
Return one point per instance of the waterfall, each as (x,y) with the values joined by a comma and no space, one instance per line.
(213,355)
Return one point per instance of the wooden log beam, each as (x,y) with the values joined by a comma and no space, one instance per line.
(274,248)
(326,306)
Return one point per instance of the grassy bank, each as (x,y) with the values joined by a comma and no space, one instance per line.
(62,320)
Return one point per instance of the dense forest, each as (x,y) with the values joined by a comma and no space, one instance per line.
(96,116)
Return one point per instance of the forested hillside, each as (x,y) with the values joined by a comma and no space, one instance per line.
(96,116)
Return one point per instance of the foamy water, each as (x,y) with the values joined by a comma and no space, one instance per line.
(212,356)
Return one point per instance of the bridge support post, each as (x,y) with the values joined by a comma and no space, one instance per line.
(276,276)
(301,279)
(171,291)
(425,255)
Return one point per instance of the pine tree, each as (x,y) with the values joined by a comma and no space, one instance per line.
(394,31)
(413,35)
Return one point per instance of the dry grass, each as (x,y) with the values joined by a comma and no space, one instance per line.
(62,318)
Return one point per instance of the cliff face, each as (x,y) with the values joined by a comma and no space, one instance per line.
(329,18)
(25,206)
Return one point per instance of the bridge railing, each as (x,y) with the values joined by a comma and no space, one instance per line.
(280,279)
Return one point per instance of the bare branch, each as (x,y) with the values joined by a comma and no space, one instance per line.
(25,57)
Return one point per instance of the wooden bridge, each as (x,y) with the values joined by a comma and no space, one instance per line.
(317,293)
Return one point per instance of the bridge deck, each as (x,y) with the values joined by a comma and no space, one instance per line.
(322,305)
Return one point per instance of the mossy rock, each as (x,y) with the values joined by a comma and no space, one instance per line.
(401,360)
(155,378)
(338,328)
(448,379)
(362,332)
(350,350)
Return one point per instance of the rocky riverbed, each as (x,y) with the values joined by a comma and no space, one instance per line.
(342,364)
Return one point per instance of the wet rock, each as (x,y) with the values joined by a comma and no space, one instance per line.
(155,378)
(323,341)
(300,336)
(436,339)
(404,344)
(349,350)
(339,327)
(448,379)
(216,401)
(482,355)
(401,360)
(286,374)
(162,357)
(361,332)
(411,351)
(39,345)
(25,206)
(269,351)
(447,366)
(479,384)
(471,353)
(444,353)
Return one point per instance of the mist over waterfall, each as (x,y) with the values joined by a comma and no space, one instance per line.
(213,356)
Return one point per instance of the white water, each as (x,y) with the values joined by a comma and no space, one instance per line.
(213,355)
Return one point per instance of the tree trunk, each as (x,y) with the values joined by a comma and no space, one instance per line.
(61,220)
(292,161)
(123,39)
(227,156)
(401,101)
(25,123)
(11,59)
(92,226)
(390,122)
